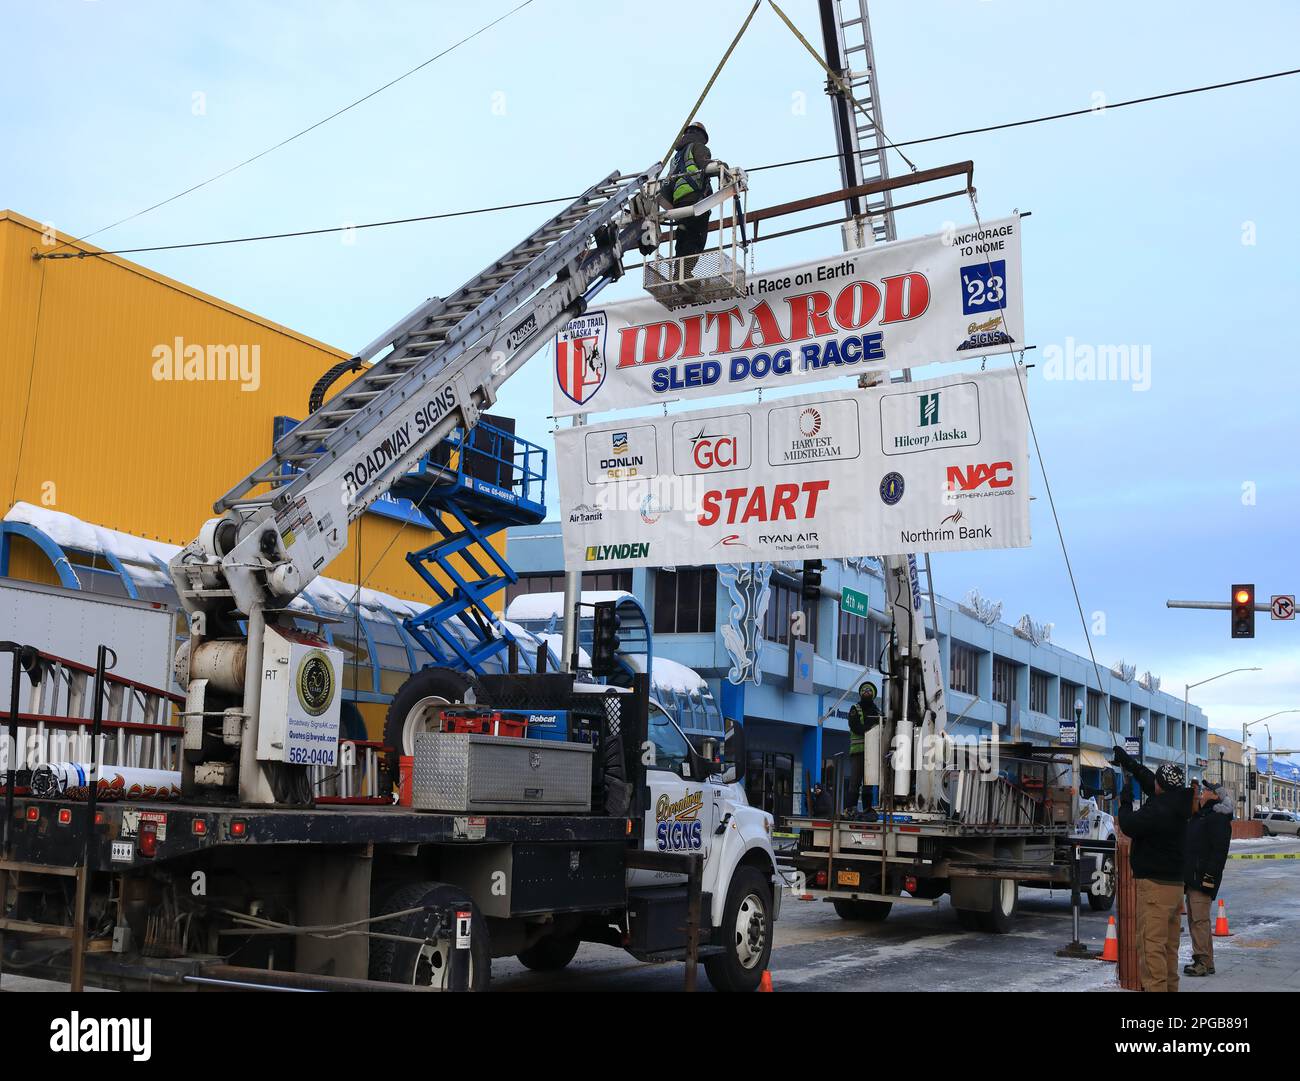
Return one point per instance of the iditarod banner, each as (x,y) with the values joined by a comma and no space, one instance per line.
(934,466)
(934,298)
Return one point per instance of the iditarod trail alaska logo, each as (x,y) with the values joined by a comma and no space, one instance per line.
(580,357)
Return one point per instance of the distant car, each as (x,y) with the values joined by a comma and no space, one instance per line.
(1281,822)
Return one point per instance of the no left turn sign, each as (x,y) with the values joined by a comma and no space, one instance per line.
(1282,605)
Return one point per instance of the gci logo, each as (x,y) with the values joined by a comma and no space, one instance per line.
(713,451)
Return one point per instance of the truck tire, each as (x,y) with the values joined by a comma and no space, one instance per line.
(550,954)
(412,709)
(746,933)
(426,964)
(1103,902)
(862,911)
(1000,918)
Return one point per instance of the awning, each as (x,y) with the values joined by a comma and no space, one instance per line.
(1093,759)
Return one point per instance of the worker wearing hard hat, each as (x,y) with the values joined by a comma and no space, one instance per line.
(864,715)
(687,183)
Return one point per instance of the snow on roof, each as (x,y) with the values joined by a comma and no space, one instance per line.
(669,675)
(139,553)
(531,606)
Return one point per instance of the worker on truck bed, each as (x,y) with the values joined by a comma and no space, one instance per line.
(1209,834)
(864,715)
(688,182)
(1158,830)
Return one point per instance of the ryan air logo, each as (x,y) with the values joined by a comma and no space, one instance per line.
(580,357)
(929,409)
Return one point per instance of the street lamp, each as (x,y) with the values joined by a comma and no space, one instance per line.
(1222,752)
(1244,729)
(1187,687)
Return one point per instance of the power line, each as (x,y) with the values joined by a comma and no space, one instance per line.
(568,198)
(309,128)
(1052,116)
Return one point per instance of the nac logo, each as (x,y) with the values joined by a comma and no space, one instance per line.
(975,476)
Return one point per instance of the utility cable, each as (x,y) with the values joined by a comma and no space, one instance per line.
(306,130)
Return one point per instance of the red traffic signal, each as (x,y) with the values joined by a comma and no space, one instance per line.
(1243,611)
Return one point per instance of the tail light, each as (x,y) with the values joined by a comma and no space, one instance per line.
(819,878)
(33,813)
(65,816)
(909,883)
(148,839)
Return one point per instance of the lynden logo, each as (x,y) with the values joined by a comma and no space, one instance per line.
(99,1035)
(929,409)
(602,553)
(975,476)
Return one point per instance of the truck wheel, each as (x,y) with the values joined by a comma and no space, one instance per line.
(1102,902)
(550,954)
(999,919)
(863,911)
(426,964)
(746,933)
(414,709)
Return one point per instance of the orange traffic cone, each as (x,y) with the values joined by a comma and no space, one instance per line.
(1221,922)
(765,984)
(1110,951)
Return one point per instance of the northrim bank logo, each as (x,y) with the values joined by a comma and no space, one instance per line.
(929,409)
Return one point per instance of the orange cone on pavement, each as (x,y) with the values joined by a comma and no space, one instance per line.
(1110,951)
(1221,922)
(765,984)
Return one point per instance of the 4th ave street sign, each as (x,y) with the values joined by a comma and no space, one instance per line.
(853,602)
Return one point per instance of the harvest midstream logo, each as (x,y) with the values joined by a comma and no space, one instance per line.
(598,553)
(193,363)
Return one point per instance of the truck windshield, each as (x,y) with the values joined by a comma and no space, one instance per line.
(671,746)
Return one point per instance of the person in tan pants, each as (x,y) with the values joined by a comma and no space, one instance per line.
(1159,833)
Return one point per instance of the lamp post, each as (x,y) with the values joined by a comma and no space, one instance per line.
(1187,688)
(1246,728)
(1222,751)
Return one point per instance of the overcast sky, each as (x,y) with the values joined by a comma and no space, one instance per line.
(1169,228)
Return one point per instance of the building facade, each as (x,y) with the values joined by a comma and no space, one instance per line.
(995,673)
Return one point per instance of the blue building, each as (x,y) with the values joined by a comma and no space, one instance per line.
(994,672)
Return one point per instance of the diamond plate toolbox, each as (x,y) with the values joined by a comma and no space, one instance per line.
(467,772)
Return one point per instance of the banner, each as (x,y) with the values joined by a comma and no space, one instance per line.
(935,466)
(934,298)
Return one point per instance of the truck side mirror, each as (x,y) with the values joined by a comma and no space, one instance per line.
(733,752)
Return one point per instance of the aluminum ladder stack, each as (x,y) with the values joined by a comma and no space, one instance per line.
(846,31)
(439,334)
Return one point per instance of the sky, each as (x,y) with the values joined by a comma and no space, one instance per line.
(1169,228)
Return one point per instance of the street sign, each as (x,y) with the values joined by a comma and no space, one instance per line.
(853,601)
(1282,605)
(1069,734)
(1133,745)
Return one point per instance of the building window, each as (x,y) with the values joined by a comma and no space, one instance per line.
(1070,693)
(1040,684)
(1094,708)
(685,600)
(963,673)
(1117,716)
(1155,729)
(858,641)
(783,601)
(1004,681)
(554,583)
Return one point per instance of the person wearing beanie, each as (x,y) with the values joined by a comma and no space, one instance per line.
(1158,830)
(1209,834)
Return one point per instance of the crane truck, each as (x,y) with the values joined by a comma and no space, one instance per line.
(976,819)
(247,878)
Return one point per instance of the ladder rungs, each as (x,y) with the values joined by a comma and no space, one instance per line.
(37,868)
(45,930)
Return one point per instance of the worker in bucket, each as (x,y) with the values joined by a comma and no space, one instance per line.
(1158,830)
(864,715)
(687,183)
(1208,835)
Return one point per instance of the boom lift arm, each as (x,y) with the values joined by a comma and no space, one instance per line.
(287,519)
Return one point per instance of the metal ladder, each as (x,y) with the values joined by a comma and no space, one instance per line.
(430,339)
(867,141)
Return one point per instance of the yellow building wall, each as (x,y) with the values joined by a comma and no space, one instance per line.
(87,427)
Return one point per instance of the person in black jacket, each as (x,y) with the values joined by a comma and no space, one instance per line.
(864,715)
(1209,834)
(687,183)
(1158,830)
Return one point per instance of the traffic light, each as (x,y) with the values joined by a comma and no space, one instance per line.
(604,639)
(811,588)
(1243,611)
